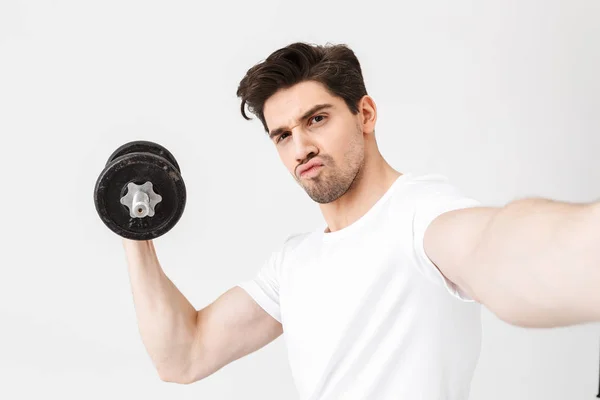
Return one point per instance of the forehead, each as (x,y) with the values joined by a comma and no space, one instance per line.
(287,105)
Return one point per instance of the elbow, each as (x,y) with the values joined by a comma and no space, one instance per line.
(180,379)
(179,376)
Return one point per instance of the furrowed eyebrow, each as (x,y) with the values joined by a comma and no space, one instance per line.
(305,116)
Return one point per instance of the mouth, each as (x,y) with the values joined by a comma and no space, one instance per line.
(312,171)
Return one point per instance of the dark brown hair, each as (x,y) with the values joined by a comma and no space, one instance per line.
(334,66)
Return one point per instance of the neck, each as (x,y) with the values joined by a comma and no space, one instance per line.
(372,182)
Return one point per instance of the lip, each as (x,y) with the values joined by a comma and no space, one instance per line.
(311,171)
(306,167)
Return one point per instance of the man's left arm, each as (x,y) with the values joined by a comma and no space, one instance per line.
(534,262)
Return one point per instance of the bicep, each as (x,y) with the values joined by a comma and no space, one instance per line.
(233,326)
(452,238)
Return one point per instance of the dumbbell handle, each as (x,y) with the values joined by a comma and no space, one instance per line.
(141,204)
(140,200)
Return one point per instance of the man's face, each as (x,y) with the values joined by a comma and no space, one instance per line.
(307,124)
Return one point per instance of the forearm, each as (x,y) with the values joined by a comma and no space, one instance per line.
(166,319)
(537,263)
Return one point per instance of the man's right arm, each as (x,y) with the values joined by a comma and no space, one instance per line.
(185,344)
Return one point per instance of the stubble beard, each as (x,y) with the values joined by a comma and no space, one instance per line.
(333,182)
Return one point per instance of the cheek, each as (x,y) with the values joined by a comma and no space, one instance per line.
(345,144)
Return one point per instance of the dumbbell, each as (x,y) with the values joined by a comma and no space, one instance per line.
(140,194)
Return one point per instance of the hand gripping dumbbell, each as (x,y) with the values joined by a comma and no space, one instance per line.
(140,194)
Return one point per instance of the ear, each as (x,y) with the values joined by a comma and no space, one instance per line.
(368,114)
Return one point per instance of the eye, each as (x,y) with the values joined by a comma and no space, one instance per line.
(281,137)
(319,117)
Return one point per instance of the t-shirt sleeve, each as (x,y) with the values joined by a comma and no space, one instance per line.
(437,198)
(264,286)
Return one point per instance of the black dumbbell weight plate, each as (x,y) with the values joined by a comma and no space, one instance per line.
(143,146)
(139,168)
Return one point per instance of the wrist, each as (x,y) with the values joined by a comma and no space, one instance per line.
(139,250)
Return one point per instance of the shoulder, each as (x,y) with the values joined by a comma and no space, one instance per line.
(294,242)
(287,251)
(295,239)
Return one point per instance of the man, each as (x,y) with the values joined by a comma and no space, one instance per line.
(383,301)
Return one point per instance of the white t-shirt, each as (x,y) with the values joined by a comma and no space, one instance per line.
(365,313)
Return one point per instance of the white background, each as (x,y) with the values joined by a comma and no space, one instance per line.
(503,97)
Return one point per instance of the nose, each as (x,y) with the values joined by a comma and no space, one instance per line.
(304,148)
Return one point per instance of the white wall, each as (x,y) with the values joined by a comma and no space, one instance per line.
(503,97)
